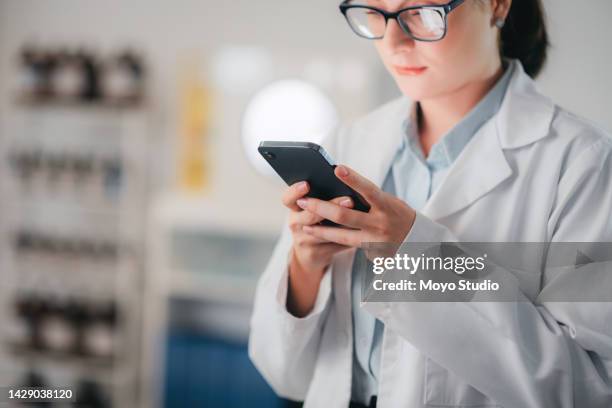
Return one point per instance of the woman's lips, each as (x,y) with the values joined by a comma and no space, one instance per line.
(411,71)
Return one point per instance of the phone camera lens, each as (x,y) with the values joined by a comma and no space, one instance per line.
(269,155)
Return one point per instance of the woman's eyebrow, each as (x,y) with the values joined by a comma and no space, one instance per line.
(402,4)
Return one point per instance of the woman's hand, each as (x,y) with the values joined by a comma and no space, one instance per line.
(389,219)
(310,256)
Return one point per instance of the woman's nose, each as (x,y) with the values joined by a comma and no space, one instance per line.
(395,36)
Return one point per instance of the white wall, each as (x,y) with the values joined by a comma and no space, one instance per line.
(579,73)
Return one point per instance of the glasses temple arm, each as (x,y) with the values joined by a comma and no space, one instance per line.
(453,5)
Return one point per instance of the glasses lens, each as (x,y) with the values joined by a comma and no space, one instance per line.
(366,23)
(425,23)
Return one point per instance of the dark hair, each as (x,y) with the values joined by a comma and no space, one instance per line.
(524,36)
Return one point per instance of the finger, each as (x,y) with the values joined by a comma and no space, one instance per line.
(304,239)
(311,218)
(342,236)
(333,212)
(346,202)
(330,248)
(294,192)
(357,182)
(299,219)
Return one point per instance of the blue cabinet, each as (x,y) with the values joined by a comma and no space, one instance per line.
(203,371)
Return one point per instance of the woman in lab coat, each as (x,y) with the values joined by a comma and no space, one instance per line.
(517,169)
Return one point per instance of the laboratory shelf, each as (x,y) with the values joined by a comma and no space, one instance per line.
(74,186)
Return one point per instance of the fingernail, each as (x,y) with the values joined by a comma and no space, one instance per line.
(346,202)
(302,186)
(342,171)
(301,202)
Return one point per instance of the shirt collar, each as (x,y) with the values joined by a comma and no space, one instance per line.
(448,148)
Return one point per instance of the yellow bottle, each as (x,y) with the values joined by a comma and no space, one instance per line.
(194,126)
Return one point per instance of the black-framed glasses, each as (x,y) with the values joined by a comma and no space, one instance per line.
(421,23)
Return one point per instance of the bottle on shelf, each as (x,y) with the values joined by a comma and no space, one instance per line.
(23,328)
(99,331)
(123,79)
(68,79)
(33,379)
(57,332)
(90,92)
(90,394)
(36,68)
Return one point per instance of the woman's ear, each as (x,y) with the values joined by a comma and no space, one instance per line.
(500,9)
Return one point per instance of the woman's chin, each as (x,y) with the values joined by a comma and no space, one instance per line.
(416,90)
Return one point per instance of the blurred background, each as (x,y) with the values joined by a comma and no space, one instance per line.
(135,216)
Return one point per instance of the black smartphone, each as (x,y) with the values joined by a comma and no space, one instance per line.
(304,161)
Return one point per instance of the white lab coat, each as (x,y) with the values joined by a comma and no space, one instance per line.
(533,173)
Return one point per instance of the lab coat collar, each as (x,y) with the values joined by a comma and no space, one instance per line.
(525,116)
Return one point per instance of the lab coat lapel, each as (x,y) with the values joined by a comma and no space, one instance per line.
(524,117)
(479,169)
(374,144)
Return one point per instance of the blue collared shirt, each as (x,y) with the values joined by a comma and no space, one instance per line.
(412,177)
